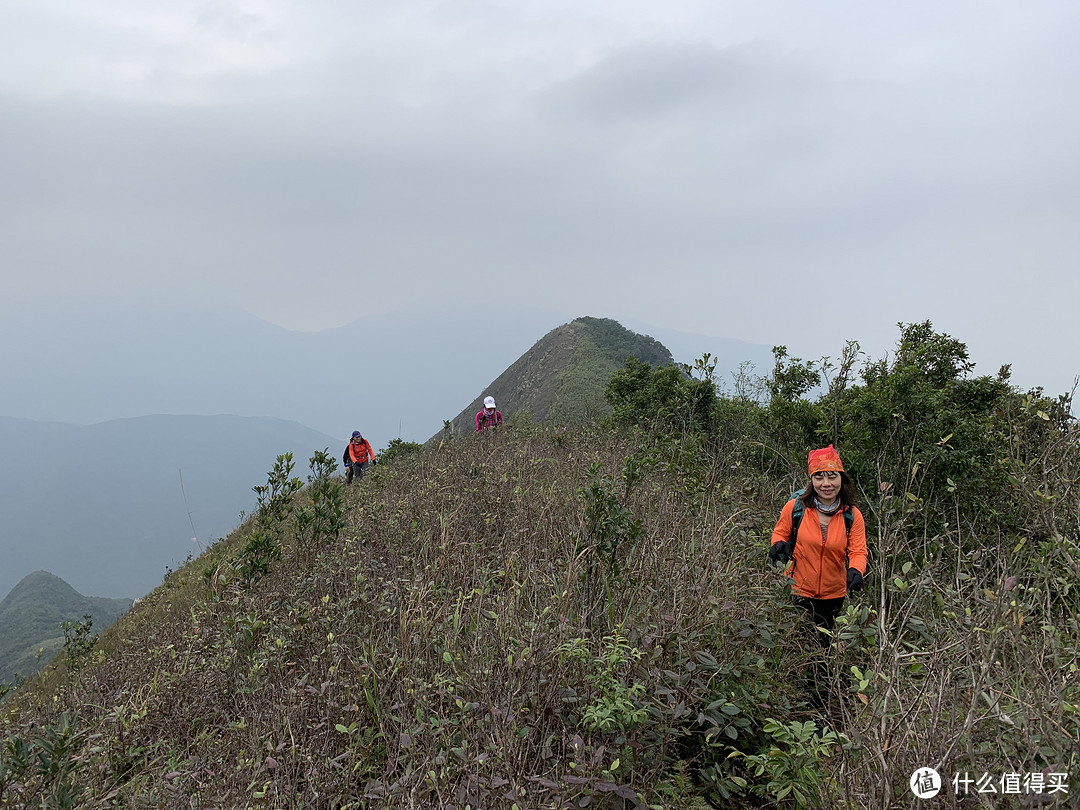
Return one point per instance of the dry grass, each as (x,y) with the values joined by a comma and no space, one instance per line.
(464,644)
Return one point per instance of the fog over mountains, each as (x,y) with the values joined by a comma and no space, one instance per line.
(386,374)
(102,506)
(103,404)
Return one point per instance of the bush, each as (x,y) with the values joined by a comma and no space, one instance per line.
(666,399)
(398,448)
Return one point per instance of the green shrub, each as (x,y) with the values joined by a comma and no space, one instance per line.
(793,763)
(398,448)
(276,504)
(665,399)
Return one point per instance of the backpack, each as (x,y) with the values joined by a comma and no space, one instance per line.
(797,512)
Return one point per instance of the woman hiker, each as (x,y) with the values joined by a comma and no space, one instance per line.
(488,416)
(358,456)
(828,552)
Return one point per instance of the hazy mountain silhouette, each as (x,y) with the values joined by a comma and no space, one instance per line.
(102,505)
(385,374)
(730,353)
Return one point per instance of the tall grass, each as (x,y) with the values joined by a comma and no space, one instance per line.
(548,618)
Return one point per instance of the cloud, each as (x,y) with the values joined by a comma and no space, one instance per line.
(693,164)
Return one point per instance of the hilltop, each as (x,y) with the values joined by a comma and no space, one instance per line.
(31,616)
(561,378)
(548,618)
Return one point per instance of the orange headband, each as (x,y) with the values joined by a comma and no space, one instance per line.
(825,459)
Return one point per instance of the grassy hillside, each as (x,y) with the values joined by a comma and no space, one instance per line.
(562,377)
(31,616)
(549,619)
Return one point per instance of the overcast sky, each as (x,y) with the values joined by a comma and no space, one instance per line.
(780,172)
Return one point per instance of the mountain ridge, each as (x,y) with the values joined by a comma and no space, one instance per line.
(588,617)
(561,377)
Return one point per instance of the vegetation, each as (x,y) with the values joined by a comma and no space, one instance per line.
(550,618)
(562,378)
(32,618)
(398,448)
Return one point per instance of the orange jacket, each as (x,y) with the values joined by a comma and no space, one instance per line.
(359,453)
(820,567)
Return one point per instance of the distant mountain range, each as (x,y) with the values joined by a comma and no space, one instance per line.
(31,616)
(730,353)
(388,374)
(101,504)
(108,507)
(563,376)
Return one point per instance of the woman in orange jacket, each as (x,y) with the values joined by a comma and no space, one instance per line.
(828,552)
(358,456)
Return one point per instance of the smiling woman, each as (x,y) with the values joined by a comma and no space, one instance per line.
(827,553)
(828,556)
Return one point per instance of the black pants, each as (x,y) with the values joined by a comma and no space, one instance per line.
(823,613)
(357,469)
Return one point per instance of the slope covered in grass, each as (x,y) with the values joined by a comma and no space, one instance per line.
(561,379)
(585,618)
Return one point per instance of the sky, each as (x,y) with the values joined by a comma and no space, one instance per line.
(779,172)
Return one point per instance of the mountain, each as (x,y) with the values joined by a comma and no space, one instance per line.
(562,377)
(30,619)
(107,507)
(588,618)
(387,374)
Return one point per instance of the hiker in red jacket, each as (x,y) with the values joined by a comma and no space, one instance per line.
(358,457)
(828,552)
(488,417)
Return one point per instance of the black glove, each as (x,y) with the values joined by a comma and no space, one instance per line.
(374,461)
(779,552)
(854,580)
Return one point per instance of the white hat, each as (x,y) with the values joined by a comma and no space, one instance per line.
(489,402)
